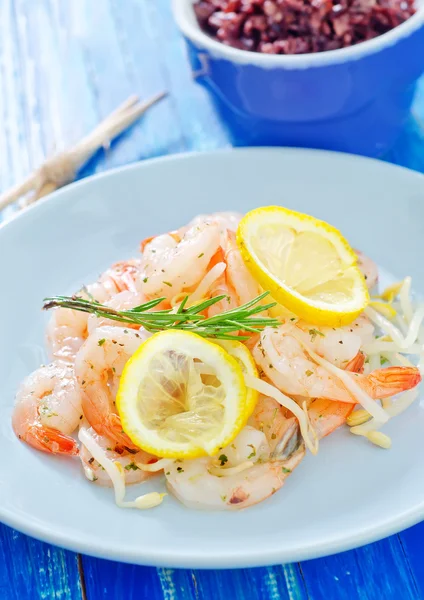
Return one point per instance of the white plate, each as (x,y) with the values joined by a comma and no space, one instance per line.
(350,494)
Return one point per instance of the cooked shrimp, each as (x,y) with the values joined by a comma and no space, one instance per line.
(124,300)
(66,332)
(174,262)
(245,473)
(121,276)
(325,415)
(229,220)
(356,364)
(127,458)
(126,275)
(283,358)
(274,421)
(98,367)
(338,345)
(236,282)
(48,409)
(369,269)
(67,329)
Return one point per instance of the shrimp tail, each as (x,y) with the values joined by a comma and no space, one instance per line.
(325,414)
(123,276)
(112,429)
(387,382)
(356,364)
(218,257)
(122,283)
(50,441)
(146,241)
(118,433)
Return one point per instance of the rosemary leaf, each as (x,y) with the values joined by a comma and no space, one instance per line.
(219,326)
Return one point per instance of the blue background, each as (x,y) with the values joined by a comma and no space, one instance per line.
(65,64)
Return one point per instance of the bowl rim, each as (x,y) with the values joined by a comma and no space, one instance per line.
(187,22)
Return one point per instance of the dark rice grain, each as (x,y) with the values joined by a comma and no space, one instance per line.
(299,26)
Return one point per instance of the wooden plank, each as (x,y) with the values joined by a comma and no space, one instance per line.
(31,570)
(114,581)
(282,582)
(17,159)
(110,78)
(160,132)
(373,572)
(129,582)
(71,92)
(202,128)
(412,541)
(29,67)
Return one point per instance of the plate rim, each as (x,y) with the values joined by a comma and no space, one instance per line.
(248,559)
(145,163)
(251,557)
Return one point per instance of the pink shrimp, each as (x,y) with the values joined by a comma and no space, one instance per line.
(369,269)
(125,275)
(284,358)
(177,261)
(98,367)
(327,415)
(229,220)
(48,409)
(129,460)
(253,470)
(118,286)
(236,282)
(274,421)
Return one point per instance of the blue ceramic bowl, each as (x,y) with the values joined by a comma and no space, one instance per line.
(356,99)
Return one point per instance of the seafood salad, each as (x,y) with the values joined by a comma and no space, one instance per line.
(221,355)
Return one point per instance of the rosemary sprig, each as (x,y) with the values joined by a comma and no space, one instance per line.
(221,326)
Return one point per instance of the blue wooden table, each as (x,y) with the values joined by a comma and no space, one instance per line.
(65,64)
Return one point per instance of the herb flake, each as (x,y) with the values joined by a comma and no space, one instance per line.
(131,467)
(223,458)
(314,332)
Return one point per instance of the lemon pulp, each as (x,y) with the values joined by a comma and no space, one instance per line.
(181,396)
(306,264)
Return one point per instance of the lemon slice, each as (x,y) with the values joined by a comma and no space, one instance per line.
(306,264)
(181,396)
(242,355)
